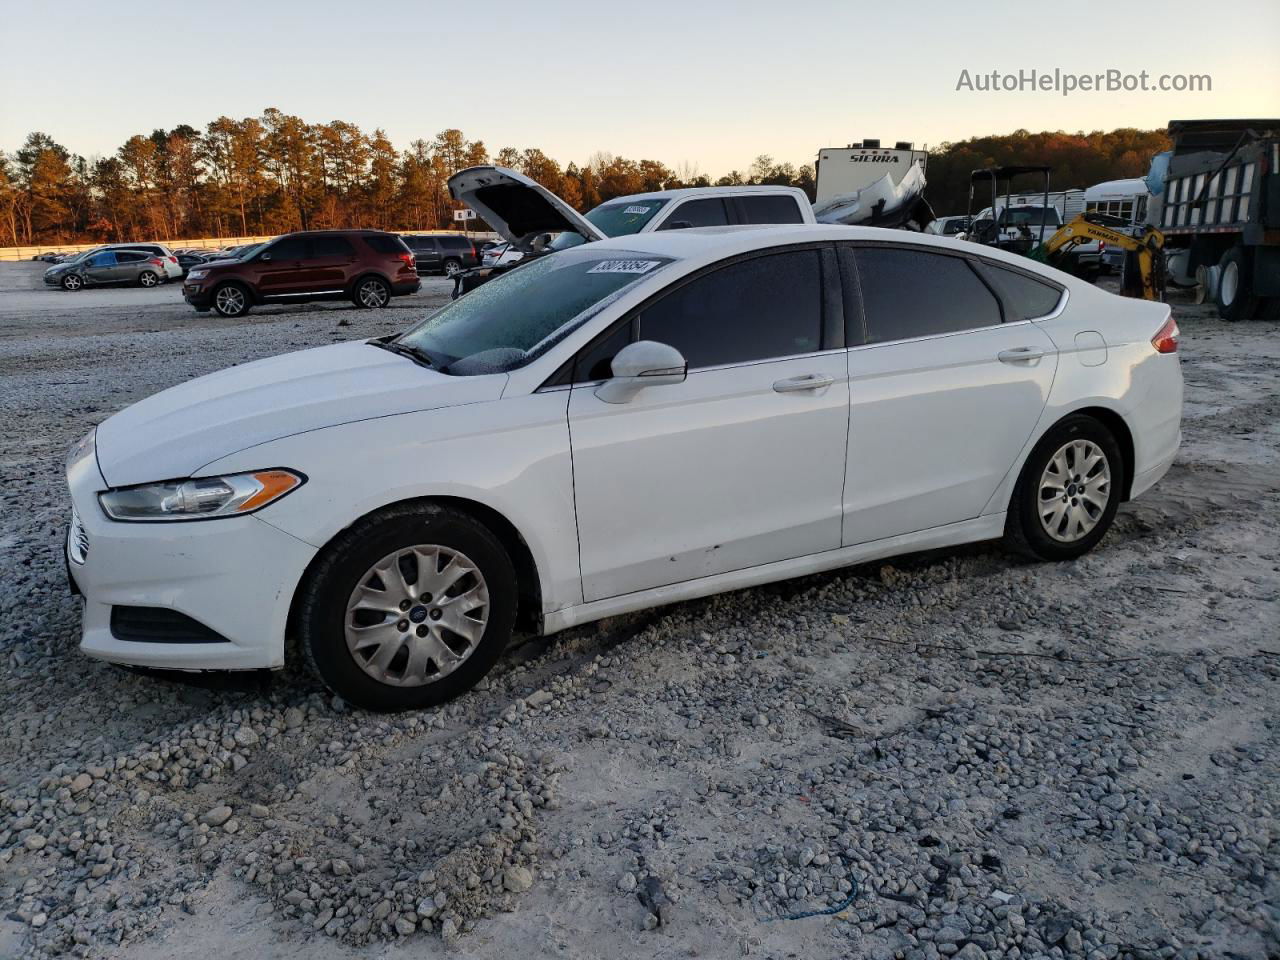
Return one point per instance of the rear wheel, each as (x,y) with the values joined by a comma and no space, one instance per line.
(1068,492)
(408,608)
(371,293)
(1235,286)
(147,279)
(231,300)
(72,282)
(452,266)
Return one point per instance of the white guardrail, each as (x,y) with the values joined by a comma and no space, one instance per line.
(11,254)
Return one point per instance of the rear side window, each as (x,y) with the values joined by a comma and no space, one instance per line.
(1025,298)
(755,309)
(332,247)
(130,256)
(697,213)
(385,243)
(911,293)
(778,208)
(455,243)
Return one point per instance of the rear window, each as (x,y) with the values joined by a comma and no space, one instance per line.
(1031,216)
(1025,297)
(385,243)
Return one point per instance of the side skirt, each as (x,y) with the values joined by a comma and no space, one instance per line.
(989,527)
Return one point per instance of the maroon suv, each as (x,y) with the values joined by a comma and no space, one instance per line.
(367,267)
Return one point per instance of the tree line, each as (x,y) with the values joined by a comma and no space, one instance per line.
(276,172)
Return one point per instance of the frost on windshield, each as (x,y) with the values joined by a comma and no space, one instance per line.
(507,322)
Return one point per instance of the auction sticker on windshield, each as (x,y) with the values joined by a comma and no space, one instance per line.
(624,266)
(636,208)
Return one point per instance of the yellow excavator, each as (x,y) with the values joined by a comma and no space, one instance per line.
(1144,273)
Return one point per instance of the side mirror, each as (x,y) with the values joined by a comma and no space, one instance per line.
(644,363)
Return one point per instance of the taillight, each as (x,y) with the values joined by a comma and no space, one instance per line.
(173,259)
(1166,338)
(158,262)
(1102,246)
(406,258)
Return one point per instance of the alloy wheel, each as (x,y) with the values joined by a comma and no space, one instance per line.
(1075,488)
(417,615)
(230,301)
(72,282)
(452,268)
(148,279)
(373,293)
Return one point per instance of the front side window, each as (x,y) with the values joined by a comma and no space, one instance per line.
(757,309)
(708,212)
(516,317)
(771,208)
(288,248)
(912,293)
(104,259)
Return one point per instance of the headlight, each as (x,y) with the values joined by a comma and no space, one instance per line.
(204,498)
(196,274)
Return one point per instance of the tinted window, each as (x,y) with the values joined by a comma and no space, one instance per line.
(288,248)
(697,213)
(385,243)
(418,244)
(595,362)
(332,247)
(764,307)
(769,209)
(910,293)
(1024,297)
(104,259)
(130,256)
(455,243)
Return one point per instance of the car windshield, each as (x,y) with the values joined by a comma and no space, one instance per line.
(516,317)
(245,253)
(618,218)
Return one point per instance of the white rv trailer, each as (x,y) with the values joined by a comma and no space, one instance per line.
(846,170)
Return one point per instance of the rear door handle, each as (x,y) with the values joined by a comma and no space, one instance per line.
(1020,355)
(810,381)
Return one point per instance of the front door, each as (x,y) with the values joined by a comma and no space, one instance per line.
(101,268)
(943,397)
(743,463)
(279,268)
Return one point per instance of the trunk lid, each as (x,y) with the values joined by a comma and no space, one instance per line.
(516,206)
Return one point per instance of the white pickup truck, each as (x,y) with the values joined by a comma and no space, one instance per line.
(534,220)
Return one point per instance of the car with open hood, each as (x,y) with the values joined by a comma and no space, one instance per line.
(536,221)
(622,424)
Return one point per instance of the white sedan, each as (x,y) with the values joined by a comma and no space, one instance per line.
(624,424)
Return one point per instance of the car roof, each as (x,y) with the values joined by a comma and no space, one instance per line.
(707,244)
(681,192)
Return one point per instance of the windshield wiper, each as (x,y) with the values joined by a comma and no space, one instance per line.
(403,349)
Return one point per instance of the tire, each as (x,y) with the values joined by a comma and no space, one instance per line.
(72,282)
(148,279)
(231,300)
(394,671)
(1235,297)
(371,293)
(452,266)
(1046,527)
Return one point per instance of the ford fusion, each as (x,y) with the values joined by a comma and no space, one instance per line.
(620,425)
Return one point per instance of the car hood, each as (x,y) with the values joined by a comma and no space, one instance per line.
(174,433)
(517,207)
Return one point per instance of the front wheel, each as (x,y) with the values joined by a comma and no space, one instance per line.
(371,293)
(231,300)
(1068,492)
(408,608)
(72,282)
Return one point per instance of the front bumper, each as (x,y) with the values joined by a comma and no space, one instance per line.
(198,293)
(235,576)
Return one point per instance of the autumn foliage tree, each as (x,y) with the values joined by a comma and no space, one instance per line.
(277,172)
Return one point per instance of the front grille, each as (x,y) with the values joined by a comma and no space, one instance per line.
(159,625)
(77,539)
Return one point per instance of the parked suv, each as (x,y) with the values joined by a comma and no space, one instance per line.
(139,267)
(442,253)
(368,267)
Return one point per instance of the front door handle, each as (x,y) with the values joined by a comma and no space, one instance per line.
(1020,355)
(810,381)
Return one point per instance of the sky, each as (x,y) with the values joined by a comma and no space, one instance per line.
(706,83)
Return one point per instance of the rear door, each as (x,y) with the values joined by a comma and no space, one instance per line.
(278,268)
(427,252)
(129,265)
(740,465)
(329,264)
(944,393)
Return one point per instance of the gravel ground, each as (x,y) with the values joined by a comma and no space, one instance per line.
(1002,760)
